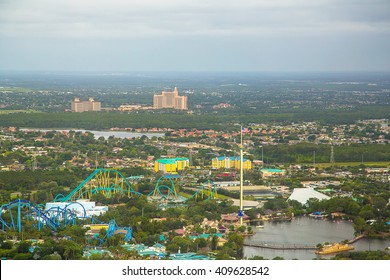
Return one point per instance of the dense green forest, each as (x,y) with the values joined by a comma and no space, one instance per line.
(166,119)
(304,153)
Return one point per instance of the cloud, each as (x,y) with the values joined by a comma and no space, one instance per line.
(150,18)
(198,35)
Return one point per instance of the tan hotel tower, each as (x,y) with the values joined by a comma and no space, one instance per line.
(168,99)
(85,106)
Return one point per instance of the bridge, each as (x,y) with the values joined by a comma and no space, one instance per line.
(292,246)
(280,246)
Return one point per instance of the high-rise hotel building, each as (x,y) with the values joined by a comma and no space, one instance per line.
(85,106)
(170,99)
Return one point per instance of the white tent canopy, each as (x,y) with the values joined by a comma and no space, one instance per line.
(302,195)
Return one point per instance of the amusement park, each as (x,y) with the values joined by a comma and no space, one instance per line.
(123,224)
(177,208)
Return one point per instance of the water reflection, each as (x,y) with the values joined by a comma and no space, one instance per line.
(305,231)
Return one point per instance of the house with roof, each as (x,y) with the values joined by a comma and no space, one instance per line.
(233,218)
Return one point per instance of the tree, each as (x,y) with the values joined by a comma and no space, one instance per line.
(24,247)
(359,224)
(379,203)
(235,244)
(214,242)
(366,212)
(72,250)
(242,229)
(257,258)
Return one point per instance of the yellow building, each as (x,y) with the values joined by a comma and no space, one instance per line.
(272,172)
(230,162)
(171,165)
(96,227)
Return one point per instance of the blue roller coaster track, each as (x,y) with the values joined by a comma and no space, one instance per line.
(18,212)
(66,215)
(106,182)
(14,215)
(114,229)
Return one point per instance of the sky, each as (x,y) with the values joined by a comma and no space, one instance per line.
(195,35)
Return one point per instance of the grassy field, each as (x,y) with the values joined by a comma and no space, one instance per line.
(220,196)
(5,112)
(14,89)
(367,164)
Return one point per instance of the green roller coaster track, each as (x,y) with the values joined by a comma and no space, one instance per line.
(103,181)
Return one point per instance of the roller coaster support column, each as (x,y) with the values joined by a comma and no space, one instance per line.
(19,217)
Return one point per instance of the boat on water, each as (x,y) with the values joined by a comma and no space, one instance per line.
(260,226)
(334,248)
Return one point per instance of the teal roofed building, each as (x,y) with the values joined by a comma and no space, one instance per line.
(205,236)
(157,250)
(272,172)
(171,165)
(188,256)
(88,253)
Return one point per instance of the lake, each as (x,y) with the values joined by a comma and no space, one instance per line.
(305,231)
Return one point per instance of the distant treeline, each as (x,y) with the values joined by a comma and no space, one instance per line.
(304,153)
(106,120)
(30,180)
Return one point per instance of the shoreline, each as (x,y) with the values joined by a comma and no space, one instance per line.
(294,246)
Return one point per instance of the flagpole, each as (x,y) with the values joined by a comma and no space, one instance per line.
(241,179)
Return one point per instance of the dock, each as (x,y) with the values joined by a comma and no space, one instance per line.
(356,239)
(281,246)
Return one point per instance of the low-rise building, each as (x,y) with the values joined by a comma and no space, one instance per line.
(272,172)
(81,208)
(230,162)
(171,165)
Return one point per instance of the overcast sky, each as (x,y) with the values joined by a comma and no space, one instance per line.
(195,35)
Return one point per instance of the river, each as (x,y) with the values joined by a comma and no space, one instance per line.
(305,231)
